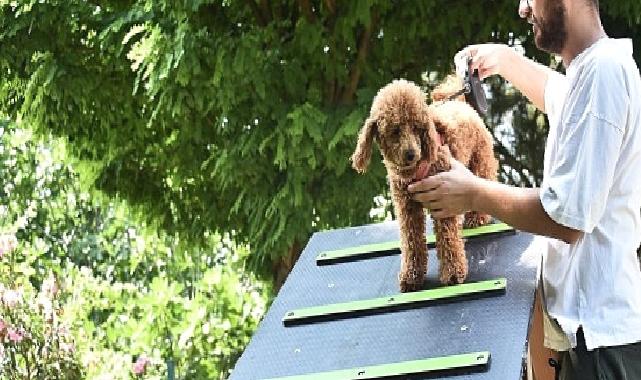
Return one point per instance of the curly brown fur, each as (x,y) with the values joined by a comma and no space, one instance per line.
(409,134)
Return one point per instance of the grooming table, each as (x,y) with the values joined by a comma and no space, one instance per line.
(344,318)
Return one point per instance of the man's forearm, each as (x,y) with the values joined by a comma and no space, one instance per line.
(520,208)
(527,76)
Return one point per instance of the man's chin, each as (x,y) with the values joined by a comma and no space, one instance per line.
(541,45)
(550,45)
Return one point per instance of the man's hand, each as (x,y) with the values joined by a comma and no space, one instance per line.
(526,75)
(486,58)
(448,193)
(457,191)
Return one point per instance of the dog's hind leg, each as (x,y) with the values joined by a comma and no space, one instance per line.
(483,164)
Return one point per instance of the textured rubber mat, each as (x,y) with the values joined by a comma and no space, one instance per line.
(498,324)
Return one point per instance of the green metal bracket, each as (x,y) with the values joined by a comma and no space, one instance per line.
(398,301)
(392,247)
(474,361)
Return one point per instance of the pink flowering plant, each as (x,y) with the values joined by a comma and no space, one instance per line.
(34,342)
(140,366)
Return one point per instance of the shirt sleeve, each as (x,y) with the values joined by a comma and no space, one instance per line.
(554,94)
(576,191)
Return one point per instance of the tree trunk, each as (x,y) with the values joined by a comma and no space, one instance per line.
(284,265)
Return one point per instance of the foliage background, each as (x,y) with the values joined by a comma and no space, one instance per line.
(132,290)
(171,158)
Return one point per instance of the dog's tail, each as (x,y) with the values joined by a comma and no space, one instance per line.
(450,86)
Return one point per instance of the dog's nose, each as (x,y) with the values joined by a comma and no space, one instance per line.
(409,155)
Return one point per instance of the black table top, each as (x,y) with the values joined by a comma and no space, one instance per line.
(498,324)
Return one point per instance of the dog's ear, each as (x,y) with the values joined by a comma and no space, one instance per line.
(363,153)
(430,138)
(434,141)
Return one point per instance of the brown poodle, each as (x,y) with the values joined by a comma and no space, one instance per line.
(416,140)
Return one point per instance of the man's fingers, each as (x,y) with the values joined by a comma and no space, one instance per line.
(420,197)
(435,205)
(471,50)
(427,198)
(485,72)
(438,214)
(441,213)
(476,63)
(468,51)
(427,184)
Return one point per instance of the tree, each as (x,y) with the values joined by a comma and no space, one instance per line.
(126,289)
(234,115)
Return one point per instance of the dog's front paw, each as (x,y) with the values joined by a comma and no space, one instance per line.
(410,282)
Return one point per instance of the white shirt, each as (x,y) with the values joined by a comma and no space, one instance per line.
(592,183)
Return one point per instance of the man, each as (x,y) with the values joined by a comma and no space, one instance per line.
(590,197)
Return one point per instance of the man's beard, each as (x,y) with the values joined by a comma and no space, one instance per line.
(552,31)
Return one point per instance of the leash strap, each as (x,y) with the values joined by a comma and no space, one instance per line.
(463,91)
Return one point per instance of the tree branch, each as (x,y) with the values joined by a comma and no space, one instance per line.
(284,265)
(257,13)
(331,6)
(267,13)
(277,12)
(363,50)
(333,90)
(306,8)
(512,161)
